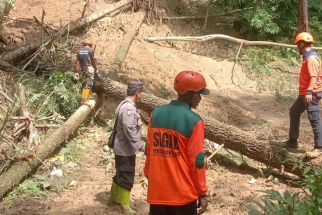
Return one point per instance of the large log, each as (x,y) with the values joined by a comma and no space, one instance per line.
(120,56)
(124,48)
(8,67)
(73,25)
(234,138)
(22,169)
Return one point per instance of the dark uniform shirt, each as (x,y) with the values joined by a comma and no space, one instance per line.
(85,56)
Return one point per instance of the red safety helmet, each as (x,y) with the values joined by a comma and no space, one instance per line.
(87,41)
(186,81)
(305,37)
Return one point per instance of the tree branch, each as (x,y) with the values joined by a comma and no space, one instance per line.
(221,37)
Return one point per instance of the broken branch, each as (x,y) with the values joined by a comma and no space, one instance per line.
(221,37)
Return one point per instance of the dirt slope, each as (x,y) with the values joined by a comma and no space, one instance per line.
(235,101)
(90,194)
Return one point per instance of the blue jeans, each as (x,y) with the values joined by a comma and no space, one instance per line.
(313,111)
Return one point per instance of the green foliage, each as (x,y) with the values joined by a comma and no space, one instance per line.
(261,20)
(31,187)
(285,87)
(261,121)
(12,3)
(273,18)
(259,67)
(258,59)
(310,203)
(53,93)
(74,151)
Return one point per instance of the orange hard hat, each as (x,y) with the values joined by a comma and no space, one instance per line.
(186,81)
(305,37)
(87,41)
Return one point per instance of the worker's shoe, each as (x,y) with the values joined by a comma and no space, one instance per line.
(291,143)
(318,148)
(85,95)
(124,197)
(114,197)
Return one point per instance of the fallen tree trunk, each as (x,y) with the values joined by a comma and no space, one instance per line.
(73,25)
(119,57)
(124,48)
(234,138)
(8,67)
(22,169)
(221,37)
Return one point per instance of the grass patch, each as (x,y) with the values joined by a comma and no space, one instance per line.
(29,188)
(271,69)
(74,151)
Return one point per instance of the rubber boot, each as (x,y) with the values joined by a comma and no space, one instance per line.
(85,95)
(124,197)
(114,197)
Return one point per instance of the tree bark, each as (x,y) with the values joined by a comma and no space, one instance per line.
(119,58)
(221,37)
(124,48)
(234,138)
(303,24)
(4,9)
(9,68)
(22,169)
(73,25)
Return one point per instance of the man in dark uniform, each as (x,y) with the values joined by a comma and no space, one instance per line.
(87,64)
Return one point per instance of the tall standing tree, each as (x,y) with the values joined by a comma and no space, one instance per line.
(303,16)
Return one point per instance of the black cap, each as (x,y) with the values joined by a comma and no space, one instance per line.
(133,87)
(204,91)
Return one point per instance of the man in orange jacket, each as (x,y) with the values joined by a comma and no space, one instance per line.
(175,166)
(309,95)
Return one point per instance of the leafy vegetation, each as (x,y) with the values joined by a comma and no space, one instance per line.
(307,203)
(274,18)
(30,188)
(75,151)
(53,93)
(259,64)
(12,3)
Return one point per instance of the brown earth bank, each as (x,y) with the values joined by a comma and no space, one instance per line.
(234,99)
(229,188)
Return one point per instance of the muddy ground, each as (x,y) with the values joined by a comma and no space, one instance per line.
(234,99)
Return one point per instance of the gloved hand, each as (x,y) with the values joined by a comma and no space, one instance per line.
(202,204)
(76,76)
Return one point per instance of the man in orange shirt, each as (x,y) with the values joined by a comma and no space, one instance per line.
(175,166)
(309,96)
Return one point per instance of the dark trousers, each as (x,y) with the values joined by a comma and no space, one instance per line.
(313,111)
(125,171)
(188,209)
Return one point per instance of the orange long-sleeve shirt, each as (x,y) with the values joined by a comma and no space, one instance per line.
(310,72)
(175,138)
